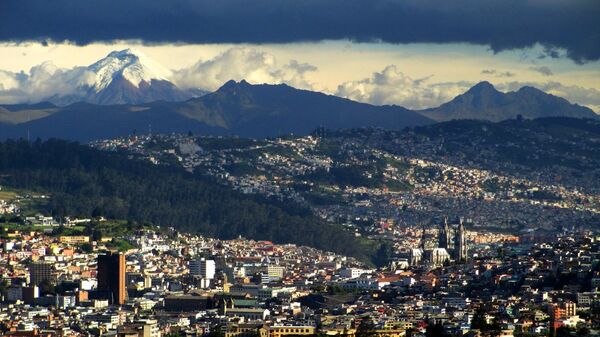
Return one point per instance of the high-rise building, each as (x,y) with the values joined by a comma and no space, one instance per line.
(460,243)
(203,268)
(40,272)
(111,277)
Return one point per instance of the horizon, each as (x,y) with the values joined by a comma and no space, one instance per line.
(496,80)
(417,54)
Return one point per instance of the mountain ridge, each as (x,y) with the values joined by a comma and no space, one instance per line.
(237,108)
(267,110)
(484,102)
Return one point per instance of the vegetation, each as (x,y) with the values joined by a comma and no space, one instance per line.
(90,183)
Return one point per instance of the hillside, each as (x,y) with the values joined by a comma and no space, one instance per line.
(86,182)
(512,175)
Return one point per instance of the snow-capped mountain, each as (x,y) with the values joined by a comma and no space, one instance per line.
(123,77)
(129,64)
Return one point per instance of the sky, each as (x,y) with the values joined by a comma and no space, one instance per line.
(415,53)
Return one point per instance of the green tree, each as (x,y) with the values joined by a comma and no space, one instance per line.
(434,330)
(366,328)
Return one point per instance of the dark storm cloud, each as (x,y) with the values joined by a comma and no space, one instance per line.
(500,24)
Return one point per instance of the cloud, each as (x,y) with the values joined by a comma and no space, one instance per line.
(243,63)
(560,26)
(391,86)
(497,73)
(43,82)
(542,70)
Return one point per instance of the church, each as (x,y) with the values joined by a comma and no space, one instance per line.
(451,246)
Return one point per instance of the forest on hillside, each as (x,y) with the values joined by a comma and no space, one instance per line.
(87,182)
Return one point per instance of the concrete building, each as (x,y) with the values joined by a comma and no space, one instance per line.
(111,277)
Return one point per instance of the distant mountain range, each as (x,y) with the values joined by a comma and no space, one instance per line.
(484,102)
(126,93)
(237,108)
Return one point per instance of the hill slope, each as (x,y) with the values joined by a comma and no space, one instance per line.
(87,182)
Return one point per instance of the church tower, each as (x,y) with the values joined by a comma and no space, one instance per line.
(460,243)
(444,235)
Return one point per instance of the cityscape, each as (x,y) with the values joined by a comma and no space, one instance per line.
(299,168)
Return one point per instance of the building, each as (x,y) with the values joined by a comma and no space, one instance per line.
(275,272)
(415,256)
(444,238)
(437,256)
(74,239)
(188,303)
(460,243)
(140,328)
(40,272)
(352,272)
(111,277)
(278,331)
(248,314)
(203,268)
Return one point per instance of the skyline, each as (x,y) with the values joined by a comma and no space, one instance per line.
(415,76)
(413,53)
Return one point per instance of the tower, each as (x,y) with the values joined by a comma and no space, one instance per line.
(460,243)
(111,277)
(444,235)
(422,243)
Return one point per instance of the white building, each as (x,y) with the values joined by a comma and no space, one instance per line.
(203,268)
(352,272)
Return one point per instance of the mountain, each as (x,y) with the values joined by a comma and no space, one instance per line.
(484,102)
(269,110)
(123,77)
(237,108)
(264,110)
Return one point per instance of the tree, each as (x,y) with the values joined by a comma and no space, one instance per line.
(47,288)
(384,253)
(479,321)
(563,331)
(87,248)
(366,328)
(434,330)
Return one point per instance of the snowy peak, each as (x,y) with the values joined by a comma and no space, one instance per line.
(129,64)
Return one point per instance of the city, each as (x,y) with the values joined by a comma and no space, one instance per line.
(164,282)
(299,168)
